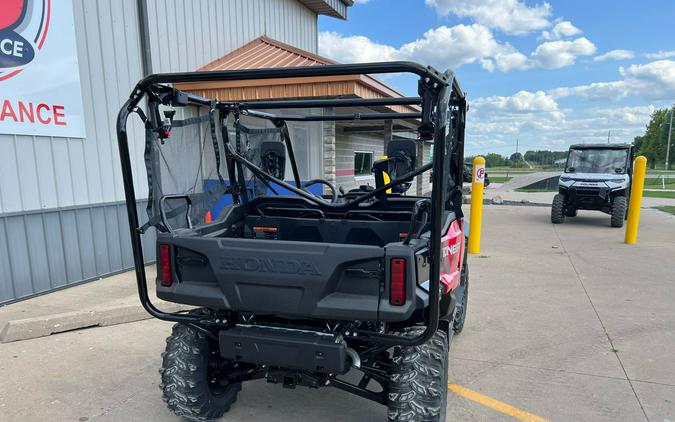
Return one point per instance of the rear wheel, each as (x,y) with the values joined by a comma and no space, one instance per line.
(418,383)
(192,376)
(619,208)
(558,209)
(460,313)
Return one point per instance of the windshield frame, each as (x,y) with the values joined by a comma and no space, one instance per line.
(626,163)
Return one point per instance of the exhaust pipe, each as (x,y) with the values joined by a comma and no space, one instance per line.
(354,357)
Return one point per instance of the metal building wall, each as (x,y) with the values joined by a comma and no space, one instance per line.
(62,216)
(187,34)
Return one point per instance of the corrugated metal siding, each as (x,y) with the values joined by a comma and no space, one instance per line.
(188,34)
(62,219)
(42,251)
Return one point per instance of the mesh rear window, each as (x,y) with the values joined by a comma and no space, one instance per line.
(189,163)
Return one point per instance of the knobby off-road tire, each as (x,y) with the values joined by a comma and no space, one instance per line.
(460,313)
(619,208)
(558,209)
(418,383)
(189,366)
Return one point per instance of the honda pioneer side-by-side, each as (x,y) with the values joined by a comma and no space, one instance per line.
(596,177)
(292,280)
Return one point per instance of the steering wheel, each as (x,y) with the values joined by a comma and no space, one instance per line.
(323,182)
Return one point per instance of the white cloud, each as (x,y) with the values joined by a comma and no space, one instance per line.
(450,47)
(561,29)
(509,16)
(354,49)
(661,55)
(520,102)
(629,115)
(557,54)
(454,46)
(444,47)
(615,55)
(653,81)
(496,122)
(594,91)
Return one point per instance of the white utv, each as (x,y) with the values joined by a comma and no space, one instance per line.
(596,177)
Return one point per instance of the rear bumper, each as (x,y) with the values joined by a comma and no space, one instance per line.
(284,348)
(290,279)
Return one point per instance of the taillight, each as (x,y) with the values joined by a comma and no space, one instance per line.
(165,265)
(397,282)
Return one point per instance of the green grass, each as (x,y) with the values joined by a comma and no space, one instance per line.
(666,208)
(654,183)
(499,179)
(658,194)
(535,190)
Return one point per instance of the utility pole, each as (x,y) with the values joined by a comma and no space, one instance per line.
(608,133)
(670,131)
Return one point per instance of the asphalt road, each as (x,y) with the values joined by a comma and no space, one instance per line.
(565,323)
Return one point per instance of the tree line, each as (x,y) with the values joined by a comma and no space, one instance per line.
(653,144)
(543,158)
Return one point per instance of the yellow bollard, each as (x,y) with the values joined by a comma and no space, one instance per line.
(386,177)
(477,180)
(635,201)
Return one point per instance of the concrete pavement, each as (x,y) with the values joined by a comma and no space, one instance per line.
(565,322)
(108,301)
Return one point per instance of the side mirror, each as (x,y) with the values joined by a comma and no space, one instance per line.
(618,170)
(570,170)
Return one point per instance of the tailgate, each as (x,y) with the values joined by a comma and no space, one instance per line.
(306,279)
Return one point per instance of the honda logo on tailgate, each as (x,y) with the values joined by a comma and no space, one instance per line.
(268,265)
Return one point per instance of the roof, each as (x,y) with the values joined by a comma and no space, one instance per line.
(334,8)
(600,146)
(264,52)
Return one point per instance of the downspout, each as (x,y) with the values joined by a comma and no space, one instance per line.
(144,32)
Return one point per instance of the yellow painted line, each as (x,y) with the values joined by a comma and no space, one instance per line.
(494,404)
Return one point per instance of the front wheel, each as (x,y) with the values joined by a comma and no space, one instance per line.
(619,209)
(418,382)
(193,375)
(558,209)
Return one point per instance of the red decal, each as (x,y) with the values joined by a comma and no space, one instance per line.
(59,115)
(7,111)
(42,120)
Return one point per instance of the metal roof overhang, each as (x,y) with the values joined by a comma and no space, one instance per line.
(334,8)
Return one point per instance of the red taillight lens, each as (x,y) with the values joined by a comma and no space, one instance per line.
(397,282)
(165,265)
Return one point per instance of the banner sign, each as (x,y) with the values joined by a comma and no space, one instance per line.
(40,90)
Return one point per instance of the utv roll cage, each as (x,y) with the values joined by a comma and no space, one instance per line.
(441,119)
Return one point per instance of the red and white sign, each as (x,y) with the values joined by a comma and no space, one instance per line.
(479,173)
(40,90)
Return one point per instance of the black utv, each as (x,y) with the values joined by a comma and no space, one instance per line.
(291,284)
(597,177)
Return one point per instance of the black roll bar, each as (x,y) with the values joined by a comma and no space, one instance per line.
(439,88)
(337,102)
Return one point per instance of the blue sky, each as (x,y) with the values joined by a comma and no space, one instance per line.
(548,73)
